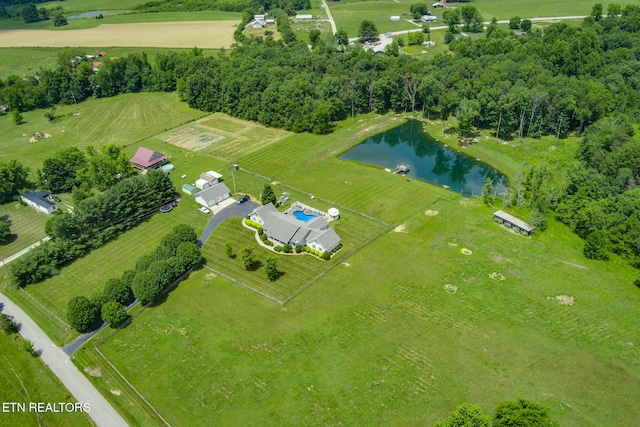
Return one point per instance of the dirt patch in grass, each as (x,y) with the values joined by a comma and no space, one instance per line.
(497,276)
(450,289)
(431,212)
(400,229)
(204,34)
(563,299)
(573,264)
(94,372)
(466,251)
(210,276)
(116,392)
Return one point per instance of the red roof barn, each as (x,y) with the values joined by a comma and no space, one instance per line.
(147,159)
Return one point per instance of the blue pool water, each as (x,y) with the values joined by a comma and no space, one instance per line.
(303,216)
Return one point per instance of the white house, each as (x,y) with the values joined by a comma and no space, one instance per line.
(213,195)
(208,179)
(40,201)
(429,18)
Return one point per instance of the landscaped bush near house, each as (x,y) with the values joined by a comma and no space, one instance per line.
(325,255)
(286,248)
(253,225)
(278,249)
(298,249)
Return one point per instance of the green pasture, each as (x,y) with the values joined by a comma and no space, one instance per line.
(125,18)
(348,16)
(90,5)
(121,120)
(25,379)
(26,61)
(27,227)
(402,332)
(505,9)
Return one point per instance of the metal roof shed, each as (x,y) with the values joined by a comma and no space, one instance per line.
(513,222)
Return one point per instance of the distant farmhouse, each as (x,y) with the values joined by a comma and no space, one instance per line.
(146,159)
(284,229)
(40,201)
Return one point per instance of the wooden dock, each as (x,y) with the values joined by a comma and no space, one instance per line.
(401,168)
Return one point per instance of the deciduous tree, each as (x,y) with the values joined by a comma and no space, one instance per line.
(114,313)
(82,314)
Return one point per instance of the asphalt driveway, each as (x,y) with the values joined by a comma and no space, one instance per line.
(231,211)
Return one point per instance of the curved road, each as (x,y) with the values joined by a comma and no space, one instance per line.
(60,364)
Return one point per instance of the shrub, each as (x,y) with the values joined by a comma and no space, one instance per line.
(448,37)
(228,250)
(7,324)
(271,268)
(247,258)
(260,231)
(286,248)
(263,237)
(325,255)
(114,313)
(28,347)
(144,288)
(278,248)
(298,249)
(82,314)
(118,290)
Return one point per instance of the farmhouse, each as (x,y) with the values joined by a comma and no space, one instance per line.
(213,195)
(146,159)
(208,179)
(513,222)
(429,18)
(284,229)
(40,201)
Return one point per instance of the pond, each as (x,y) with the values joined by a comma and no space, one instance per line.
(429,160)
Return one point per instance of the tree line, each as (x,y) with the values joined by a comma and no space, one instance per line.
(95,221)
(153,274)
(537,84)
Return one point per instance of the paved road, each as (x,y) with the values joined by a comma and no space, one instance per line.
(60,364)
(386,39)
(24,251)
(232,211)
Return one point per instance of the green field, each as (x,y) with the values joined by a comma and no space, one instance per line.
(26,61)
(127,18)
(122,120)
(25,379)
(26,225)
(348,16)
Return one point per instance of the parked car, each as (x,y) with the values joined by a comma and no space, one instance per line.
(242,199)
(204,210)
(56,198)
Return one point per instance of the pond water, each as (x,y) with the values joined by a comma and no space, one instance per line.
(86,15)
(429,160)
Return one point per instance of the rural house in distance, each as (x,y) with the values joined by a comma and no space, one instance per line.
(40,201)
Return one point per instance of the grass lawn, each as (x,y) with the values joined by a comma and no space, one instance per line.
(26,225)
(122,120)
(409,329)
(348,16)
(88,274)
(25,379)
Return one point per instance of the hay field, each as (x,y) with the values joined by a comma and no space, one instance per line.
(203,34)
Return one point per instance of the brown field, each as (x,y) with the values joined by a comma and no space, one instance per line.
(203,34)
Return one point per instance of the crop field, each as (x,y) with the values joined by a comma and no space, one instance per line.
(26,225)
(25,379)
(122,120)
(204,34)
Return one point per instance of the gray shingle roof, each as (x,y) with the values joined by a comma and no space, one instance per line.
(40,198)
(328,238)
(212,193)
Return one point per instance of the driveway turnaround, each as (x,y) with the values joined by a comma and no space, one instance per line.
(231,211)
(60,364)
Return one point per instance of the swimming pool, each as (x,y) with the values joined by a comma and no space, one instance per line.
(300,215)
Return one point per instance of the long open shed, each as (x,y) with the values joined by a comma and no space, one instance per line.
(513,222)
